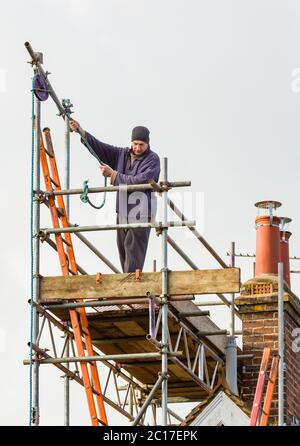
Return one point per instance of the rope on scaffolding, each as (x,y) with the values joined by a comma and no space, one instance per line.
(31,254)
(84,196)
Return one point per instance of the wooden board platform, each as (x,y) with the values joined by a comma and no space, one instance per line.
(114,286)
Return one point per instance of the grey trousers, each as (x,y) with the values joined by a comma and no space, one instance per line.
(132,247)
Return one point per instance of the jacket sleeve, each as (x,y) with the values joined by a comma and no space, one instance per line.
(102,151)
(149,172)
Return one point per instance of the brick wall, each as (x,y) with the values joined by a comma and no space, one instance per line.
(260,329)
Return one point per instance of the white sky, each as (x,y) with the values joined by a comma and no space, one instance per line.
(213,80)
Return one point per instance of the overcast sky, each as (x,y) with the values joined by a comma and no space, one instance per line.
(216,82)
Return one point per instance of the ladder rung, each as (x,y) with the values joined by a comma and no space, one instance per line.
(60,212)
(65,241)
(101,422)
(54,182)
(51,155)
(73,272)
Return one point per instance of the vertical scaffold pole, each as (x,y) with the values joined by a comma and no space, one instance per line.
(66,175)
(164,298)
(67,387)
(280,346)
(66,185)
(35,414)
(231,347)
(232,313)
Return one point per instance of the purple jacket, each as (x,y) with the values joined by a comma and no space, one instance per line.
(137,205)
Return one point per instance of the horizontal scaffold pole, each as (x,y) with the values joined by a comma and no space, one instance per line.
(110,286)
(109,303)
(121,357)
(157,225)
(121,188)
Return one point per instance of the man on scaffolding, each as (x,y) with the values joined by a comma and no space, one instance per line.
(130,165)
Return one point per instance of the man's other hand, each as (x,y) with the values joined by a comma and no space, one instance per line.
(106,170)
(74,125)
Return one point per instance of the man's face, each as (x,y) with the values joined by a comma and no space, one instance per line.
(139,147)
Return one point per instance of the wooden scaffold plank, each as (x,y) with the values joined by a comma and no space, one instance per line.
(112,286)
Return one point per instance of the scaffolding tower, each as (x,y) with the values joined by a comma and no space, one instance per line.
(144,326)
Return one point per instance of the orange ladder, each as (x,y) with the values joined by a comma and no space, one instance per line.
(260,388)
(68,265)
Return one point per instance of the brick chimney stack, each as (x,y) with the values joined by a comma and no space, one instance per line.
(258,307)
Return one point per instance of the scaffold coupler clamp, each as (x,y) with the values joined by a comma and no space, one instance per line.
(164,375)
(164,186)
(67,105)
(42,235)
(164,299)
(159,228)
(118,367)
(39,196)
